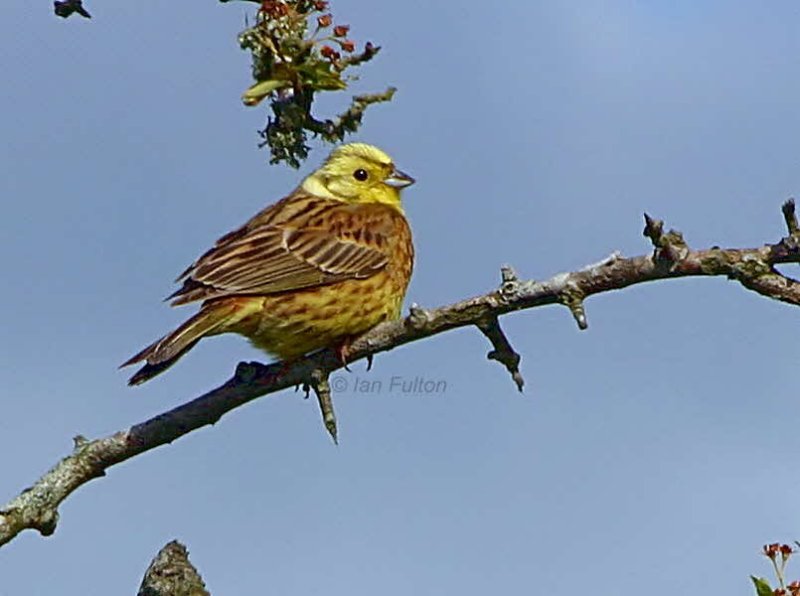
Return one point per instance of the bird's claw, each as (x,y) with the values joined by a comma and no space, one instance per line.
(343,354)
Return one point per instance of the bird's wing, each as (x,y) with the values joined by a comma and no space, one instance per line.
(330,243)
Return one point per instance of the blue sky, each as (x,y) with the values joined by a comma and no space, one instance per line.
(655,450)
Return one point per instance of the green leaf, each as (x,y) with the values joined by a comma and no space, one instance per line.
(762,586)
(320,77)
(260,90)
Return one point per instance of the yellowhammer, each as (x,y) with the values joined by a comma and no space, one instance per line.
(325,264)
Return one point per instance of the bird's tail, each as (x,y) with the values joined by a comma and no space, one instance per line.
(165,352)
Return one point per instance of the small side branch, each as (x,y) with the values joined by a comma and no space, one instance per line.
(319,382)
(753,268)
(572,298)
(790,217)
(298,52)
(502,352)
(670,247)
(774,285)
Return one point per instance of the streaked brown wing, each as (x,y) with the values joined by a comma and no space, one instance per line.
(273,254)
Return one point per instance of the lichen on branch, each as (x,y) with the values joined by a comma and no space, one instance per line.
(671,258)
(298,51)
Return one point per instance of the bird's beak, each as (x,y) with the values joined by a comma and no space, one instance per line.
(398,179)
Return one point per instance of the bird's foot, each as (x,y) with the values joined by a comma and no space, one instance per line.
(342,352)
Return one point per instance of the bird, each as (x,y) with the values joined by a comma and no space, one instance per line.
(314,270)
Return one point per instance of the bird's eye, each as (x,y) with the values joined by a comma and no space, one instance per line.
(360,175)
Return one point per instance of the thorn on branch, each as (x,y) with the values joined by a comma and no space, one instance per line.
(790,217)
(670,247)
(36,506)
(69,7)
(572,298)
(653,229)
(502,352)
(171,572)
(319,382)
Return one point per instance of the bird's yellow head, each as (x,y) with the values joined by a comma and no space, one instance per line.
(358,173)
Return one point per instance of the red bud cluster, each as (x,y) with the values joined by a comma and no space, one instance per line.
(274,8)
(329,53)
(771,550)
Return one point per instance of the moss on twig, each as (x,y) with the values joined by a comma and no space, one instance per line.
(297,52)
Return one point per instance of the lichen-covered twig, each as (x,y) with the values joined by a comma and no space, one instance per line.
(319,383)
(298,51)
(754,268)
(172,574)
(670,247)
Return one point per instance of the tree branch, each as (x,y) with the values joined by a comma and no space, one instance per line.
(754,268)
(298,52)
(172,574)
(502,352)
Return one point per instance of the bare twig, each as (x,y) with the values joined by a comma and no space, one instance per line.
(319,382)
(790,217)
(754,268)
(670,248)
(69,7)
(298,52)
(502,352)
